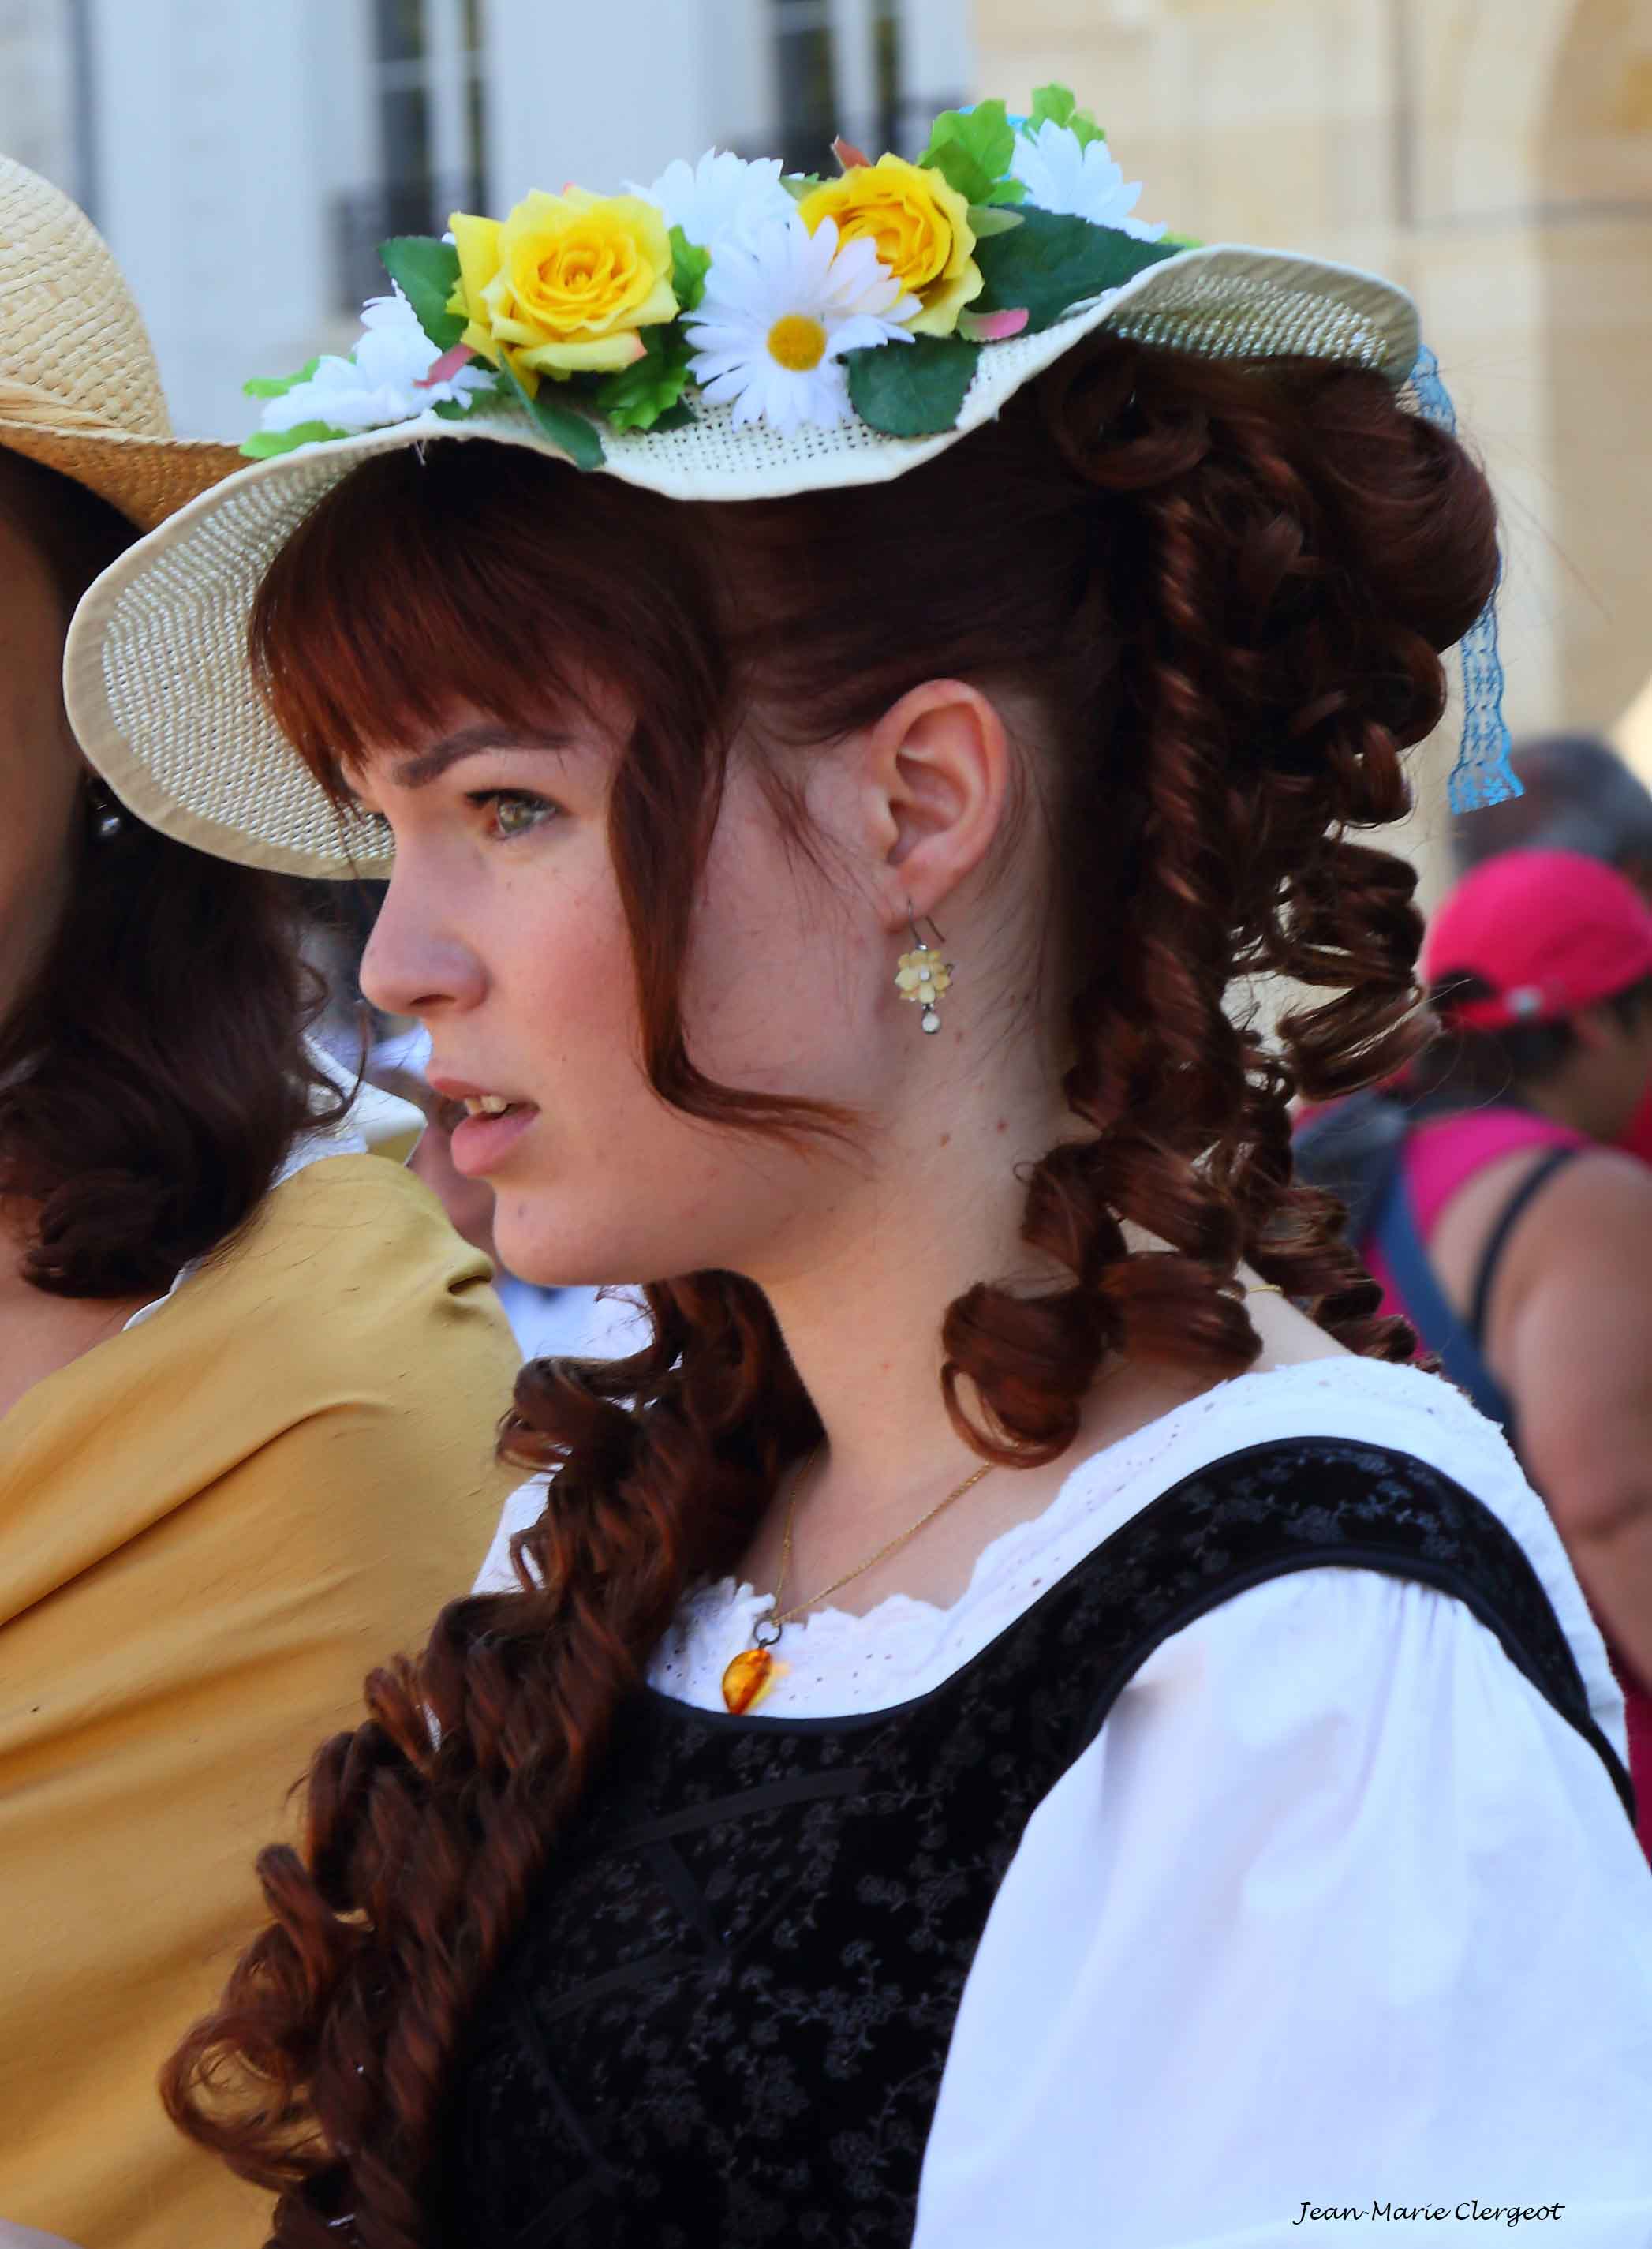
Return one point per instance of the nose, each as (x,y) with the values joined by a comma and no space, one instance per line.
(416,963)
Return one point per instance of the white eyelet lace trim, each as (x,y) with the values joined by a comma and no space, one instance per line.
(840,1663)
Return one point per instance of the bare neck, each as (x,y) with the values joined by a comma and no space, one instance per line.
(861,1309)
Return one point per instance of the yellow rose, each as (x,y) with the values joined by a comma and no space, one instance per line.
(564,284)
(920,226)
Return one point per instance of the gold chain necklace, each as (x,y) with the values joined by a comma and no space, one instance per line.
(749,1674)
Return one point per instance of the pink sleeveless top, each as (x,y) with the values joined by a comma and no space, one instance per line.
(1440,1159)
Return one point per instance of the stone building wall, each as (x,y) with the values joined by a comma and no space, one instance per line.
(37,89)
(1495,156)
(233,153)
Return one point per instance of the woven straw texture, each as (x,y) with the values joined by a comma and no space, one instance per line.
(79,391)
(158,683)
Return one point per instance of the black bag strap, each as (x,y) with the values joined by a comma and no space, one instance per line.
(1325,1503)
(1430,1310)
(1357,1151)
(1537,1177)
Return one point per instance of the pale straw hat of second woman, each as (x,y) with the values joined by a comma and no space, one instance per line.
(728,334)
(79,391)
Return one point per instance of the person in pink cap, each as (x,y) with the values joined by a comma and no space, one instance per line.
(1576,795)
(1491,1201)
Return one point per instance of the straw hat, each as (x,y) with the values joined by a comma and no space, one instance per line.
(157,676)
(79,391)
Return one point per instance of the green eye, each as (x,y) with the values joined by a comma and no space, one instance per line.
(515,812)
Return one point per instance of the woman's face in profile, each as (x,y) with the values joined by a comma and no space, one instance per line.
(504,930)
(41,775)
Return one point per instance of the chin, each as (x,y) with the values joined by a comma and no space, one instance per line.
(578,1255)
(600,1230)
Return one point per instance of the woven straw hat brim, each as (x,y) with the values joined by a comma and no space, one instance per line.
(156,671)
(147,478)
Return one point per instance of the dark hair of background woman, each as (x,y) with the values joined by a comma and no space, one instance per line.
(1475,1069)
(1221,594)
(153,1073)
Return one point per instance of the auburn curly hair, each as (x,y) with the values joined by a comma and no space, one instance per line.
(1226,589)
(154,1070)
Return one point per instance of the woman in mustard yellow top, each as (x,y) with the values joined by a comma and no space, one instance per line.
(247,1374)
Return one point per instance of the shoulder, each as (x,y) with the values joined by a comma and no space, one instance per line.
(367,1210)
(353,1246)
(1357,1756)
(354,1308)
(1602,1190)
(1410,1428)
(1357,1648)
(1571,1295)
(1418,1664)
(1304,1506)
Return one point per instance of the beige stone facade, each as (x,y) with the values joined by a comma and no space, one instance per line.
(1496,156)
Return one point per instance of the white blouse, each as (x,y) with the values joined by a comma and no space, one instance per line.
(1337,1914)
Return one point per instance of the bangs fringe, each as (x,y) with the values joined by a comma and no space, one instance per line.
(378,618)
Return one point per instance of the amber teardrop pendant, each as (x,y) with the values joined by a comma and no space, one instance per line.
(748,1679)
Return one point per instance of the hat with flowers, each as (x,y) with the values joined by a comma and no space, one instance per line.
(729,332)
(730,299)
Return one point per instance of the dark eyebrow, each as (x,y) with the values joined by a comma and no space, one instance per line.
(486,734)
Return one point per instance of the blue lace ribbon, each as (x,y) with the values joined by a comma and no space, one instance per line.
(1482,773)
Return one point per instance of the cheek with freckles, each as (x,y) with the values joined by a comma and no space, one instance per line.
(779,995)
(780,988)
(589,1194)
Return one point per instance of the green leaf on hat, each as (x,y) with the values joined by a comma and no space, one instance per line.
(637,396)
(277,386)
(459,409)
(911,390)
(1052,262)
(427,272)
(992,218)
(800,185)
(689,265)
(972,150)
(570,432)
(264,444)
(1058,104)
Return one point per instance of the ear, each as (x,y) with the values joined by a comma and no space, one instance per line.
(935,774)
(1596,1028)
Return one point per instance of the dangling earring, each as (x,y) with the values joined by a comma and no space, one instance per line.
(923,976)
(107,818)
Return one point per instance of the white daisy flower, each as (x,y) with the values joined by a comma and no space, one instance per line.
(1061,174)
(722,195)
(779,312)
(378,383)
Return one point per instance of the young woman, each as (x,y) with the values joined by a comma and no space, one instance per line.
(1015,1724)
(247,1374)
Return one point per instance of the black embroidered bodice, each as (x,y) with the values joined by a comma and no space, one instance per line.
(725,2022)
